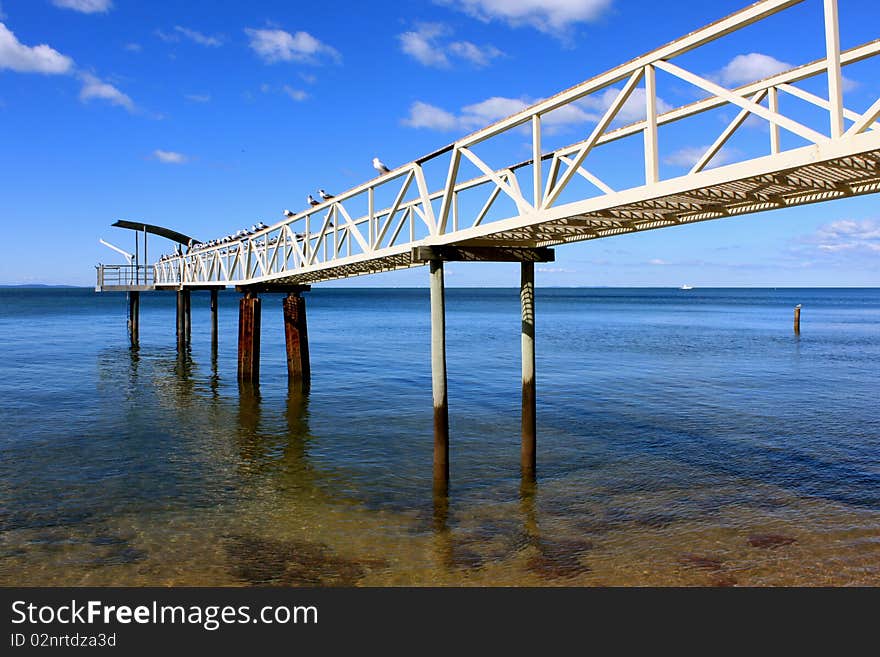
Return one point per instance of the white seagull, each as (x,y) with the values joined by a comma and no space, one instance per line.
(378,166)
(312,201)
(288,214)
(324,195)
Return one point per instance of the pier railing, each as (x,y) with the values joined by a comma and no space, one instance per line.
(125,276)
(356,232)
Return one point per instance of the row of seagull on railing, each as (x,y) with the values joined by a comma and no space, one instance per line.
(231,242)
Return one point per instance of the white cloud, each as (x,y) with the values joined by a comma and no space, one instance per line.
(752,67)
(421,45)
(280,46)
(551,16)
(198,37)
(296,94)
(169,157)
(486,112)
(690,155)
(634,109)
(426,45)
(555,270)
(95,88)
(85,6)
(30,59)
(198,98)
(657,262)
(423,115)
(133,47)
(849,236)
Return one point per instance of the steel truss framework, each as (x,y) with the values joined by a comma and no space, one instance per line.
(327,242)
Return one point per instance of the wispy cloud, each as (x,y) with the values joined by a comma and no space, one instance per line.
(18,57)
(848,236)
(133,47)
(96,89)
(169,157)
(85,6)
(297,95)
(750,67)
(590,109)
(179,33)
(198,98)
(690,155)
(428,45)
(273,45)
(554,17)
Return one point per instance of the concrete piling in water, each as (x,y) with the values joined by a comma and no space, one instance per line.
(529,422)
(214,322)
(183,319)
(797,319)
(297,340)
(134,305)
(438,378)
(249,338)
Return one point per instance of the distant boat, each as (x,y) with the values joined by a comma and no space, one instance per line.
(686,287)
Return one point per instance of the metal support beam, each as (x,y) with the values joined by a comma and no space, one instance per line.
(423,254)
(438,378)
(529,424)
(249,338)
(134,304)
(296,337)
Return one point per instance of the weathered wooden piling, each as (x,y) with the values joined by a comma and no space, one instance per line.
(249,338)
(529,397)
(297,339)
(134,304)
(438,377)
(797,319)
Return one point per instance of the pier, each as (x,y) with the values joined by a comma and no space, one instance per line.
(527,209)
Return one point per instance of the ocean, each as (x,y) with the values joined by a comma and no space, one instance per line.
(684,438)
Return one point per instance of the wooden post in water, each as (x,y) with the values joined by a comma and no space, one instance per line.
(438,378)
(529,423)
(187,315)
(249,338)
(797,319)
(134,304)
(214,331)
(297,339)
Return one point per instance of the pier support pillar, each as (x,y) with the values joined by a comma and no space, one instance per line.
(529,424)
(297,339)
(183,318)
(438,378)
(214,332)
(249,338)
(134,305)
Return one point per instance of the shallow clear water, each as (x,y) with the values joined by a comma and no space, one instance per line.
(684,438)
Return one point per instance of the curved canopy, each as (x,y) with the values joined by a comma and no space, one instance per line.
(172,235)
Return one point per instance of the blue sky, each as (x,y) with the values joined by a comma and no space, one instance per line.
(210,116)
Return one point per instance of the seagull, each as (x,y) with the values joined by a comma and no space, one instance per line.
(378,166)
(261,226)
(324,195)
(312,201)
(288,214)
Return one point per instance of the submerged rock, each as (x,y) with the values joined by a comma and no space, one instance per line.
(259,560)
(703,562)
(770,541)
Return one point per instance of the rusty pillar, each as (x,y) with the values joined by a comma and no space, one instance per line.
(438,378)
(249,338)
(529,424)
(297,338)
